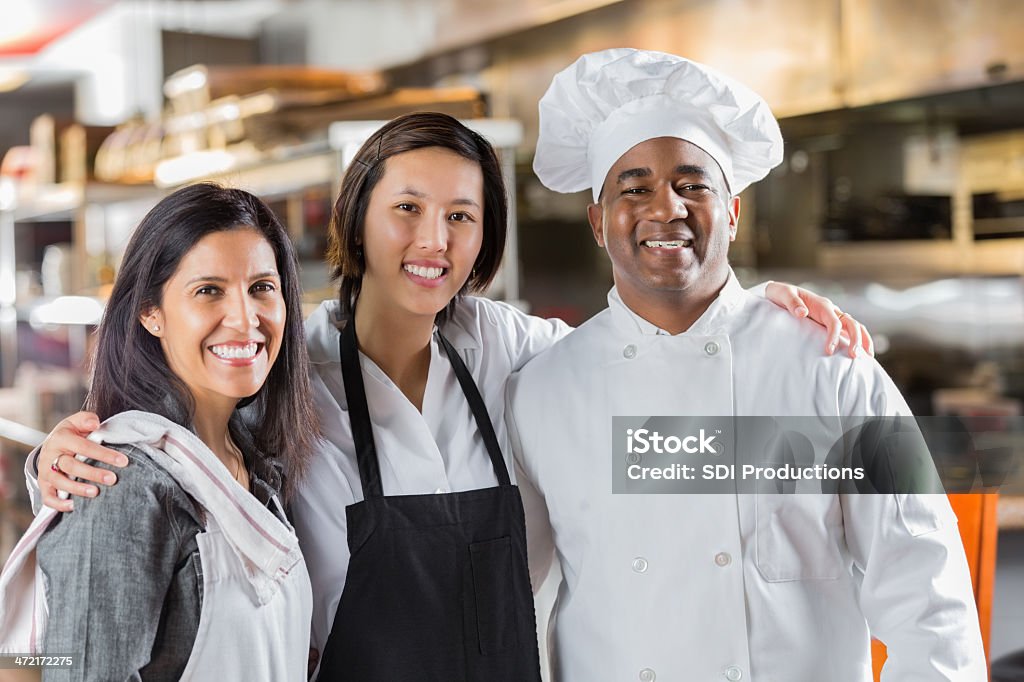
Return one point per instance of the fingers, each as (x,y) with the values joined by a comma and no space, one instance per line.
(787,296)
(52,484)
(838,325)
(74,468)
(860,339)
(852,328)
(834,327)
(869,343)
(58,466)
(51,500)
(68,443)
(66,439)
(83,422)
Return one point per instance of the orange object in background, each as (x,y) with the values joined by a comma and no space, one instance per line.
(979,530)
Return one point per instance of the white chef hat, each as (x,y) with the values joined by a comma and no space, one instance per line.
(607,102)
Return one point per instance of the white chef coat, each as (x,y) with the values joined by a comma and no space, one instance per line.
(437,451)
(728,587)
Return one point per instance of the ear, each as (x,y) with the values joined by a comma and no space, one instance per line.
(153,321)
(595,214)
(734,217)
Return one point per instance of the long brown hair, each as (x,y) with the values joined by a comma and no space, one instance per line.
(130,371)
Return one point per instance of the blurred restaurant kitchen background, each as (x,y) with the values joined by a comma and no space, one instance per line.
(901,195)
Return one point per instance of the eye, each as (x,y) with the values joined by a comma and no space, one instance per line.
(207,290)
(407,207)
(461,217)
(634,190)
(694,188)
(263,287)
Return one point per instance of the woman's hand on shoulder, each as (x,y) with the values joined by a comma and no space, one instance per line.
(58,466)
(805,303)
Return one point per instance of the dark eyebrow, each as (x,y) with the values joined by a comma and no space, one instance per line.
(700,171)
(421,195)
(633,173)
(221,280)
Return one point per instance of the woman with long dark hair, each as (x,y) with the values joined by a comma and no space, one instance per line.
(191,552)
(411,525)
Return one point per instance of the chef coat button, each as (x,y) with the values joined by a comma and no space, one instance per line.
(647,675)
(712,348)
(733,674)
(723,559)
(439,491)
(629,352)
(640,566)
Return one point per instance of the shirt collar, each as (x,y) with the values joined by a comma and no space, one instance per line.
(322,331)
(728,299)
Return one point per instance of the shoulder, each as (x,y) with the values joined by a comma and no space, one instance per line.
(146,505)
(579,348)
(322,333)
(142,484)
(483,318)
(797,348)
(760,321)
(568,350)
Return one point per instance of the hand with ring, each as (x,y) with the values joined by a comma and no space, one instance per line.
(57,475)
(838,325)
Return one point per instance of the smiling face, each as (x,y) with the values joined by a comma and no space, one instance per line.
(222,316)
(423,231)
(666,219)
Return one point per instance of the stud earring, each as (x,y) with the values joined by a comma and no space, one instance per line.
(156,327)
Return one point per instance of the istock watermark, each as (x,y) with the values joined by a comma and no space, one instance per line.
(816,455)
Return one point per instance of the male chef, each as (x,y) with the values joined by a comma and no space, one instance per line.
(673,587)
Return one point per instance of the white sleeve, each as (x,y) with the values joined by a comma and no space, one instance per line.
(318,512)
(525,335)
(915,587)
(540,542)
(32,481)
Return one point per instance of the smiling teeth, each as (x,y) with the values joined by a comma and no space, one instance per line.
(235,352)
(426,273)
(677,244)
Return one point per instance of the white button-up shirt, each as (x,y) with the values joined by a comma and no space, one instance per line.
(735,587)
(437,451)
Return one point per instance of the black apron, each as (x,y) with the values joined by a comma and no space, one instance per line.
(438,587)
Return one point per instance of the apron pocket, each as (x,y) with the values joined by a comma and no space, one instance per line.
(495,597)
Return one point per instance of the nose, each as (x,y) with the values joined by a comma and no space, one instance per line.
(240,312)
(432,233)
(666,205)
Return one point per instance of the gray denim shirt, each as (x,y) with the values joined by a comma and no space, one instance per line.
(123,575)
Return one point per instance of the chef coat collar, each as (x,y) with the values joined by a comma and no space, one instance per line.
(728,299)
(322,332)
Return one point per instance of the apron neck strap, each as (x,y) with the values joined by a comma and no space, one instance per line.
(476,404)
(359,413)
(362,427)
